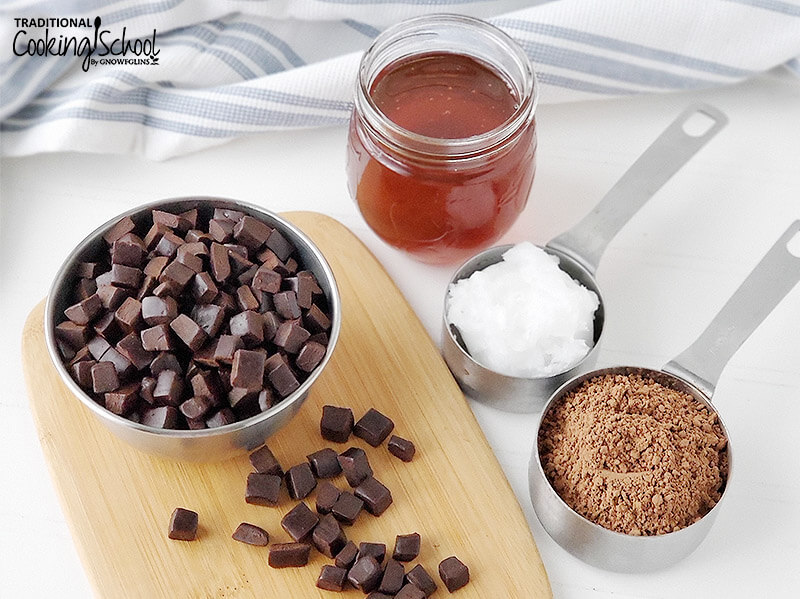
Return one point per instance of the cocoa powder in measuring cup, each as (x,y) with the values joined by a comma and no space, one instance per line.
(633,455)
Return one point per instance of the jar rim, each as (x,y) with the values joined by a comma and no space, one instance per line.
(463,147)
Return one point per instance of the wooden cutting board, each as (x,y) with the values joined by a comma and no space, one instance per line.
(118,501)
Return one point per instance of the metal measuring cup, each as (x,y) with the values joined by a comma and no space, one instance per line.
(696,372)
(579,251)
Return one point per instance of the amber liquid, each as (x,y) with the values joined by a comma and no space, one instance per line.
(440,210)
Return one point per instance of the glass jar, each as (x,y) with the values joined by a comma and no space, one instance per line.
(442,138)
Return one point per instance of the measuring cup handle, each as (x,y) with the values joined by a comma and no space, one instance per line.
(586,241)
(702,362)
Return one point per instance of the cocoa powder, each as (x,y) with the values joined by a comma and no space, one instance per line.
(633,455)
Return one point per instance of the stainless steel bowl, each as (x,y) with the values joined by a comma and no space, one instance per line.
(208,444)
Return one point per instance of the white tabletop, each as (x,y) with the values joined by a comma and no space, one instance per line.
(663,277)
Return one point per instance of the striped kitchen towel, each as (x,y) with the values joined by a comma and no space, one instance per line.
(161,78)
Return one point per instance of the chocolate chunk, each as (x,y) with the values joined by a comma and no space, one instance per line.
(104,377)
(129,315)
(88,270)
(196,264)
(210,318)
(204,290)
(249,327)
(107,327)
(166,218)
(347,507)
(316,321)
(168,244)
(262,488)
(299,522)
(168,389)
(251,535)
(128,250)
(86,288)
(301,285)
(98,347)
(332,578)
(286,305)
(74,335)
(336,424)
(248,369)
(419,577)
(289,555)
(278,244)
(160,417)
(266,399)
(263,460)
(85,311)
(82,373)
(355,466)
(124,276)
(266,280)
(221,230)
(327,495)
(283,379)
(226,348)
(112,297)
(290,336)
(406,547)
(394,575)
(373,427)
(188,220)
(244,402)
(220,263)
(157,338)
(188,331)
(205,355)
(158,310)
(165,361)
(177,274)
(375,495)
(346,557)
(365,574)
(183,524)
(122,400)
(324,463)
(376,550)
(300,481)
(195,408)
(246,299)
(401,448)
(271,323)
(378,595)
(207,384)
(410,591)
(454,573)
(146,389)
(251,232)
(228,214)
(131,347)
(328,536)
(224,417)
(310,356)
(122,226)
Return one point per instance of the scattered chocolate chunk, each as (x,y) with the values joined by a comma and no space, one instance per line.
(325,463)
(327,496)
(300,480)
(401,448)
(347,556)
(347,507)
(262,488)
(332,578)
(289,555)
(410,591)
(263,460)
(365,575)
(328,536)
(355,465)
(375,495)
(394,575)
(336,424)
(419,577)
(299,522)
(376,550)
(251,535)
(183,525)
(373,427)
(454,573)
(406,547)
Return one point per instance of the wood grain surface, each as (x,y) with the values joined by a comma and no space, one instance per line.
(118,501)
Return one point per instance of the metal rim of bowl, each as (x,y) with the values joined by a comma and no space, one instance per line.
(573,383)
(60,280)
